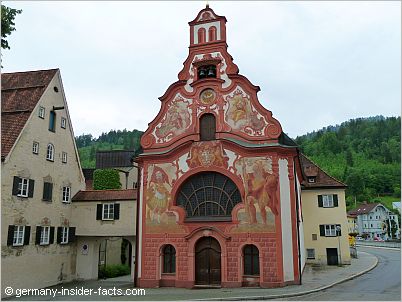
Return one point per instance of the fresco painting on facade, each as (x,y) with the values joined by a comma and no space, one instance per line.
(242,116)
(261,189)
(176,122)
(207,154)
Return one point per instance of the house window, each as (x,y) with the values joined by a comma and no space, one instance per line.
(329,230)
(23,187)
(63,122)
(64,157)
(207,127)
(64,235)
(310,253)
(45,235)
(311,179)
(169,259)
(66,194)
(35,148)
(47,191)
(52,121)
(251,260)
(328,201)
(50,152)
(19,231)
(314,236)
(108,211)
(41,112)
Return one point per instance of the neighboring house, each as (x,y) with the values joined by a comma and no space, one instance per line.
(40,172)
(121,161)
(352,223)
(105,229)
(396,205)
(89,178)
(324,210)
(373,220)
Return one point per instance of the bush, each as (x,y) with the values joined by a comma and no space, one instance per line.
(106,179)
(114,270)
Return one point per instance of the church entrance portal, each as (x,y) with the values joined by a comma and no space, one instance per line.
(207,262)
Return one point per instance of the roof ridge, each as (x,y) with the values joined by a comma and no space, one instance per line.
(28,71)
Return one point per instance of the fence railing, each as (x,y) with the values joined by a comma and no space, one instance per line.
(379,244)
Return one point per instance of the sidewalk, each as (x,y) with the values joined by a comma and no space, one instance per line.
(314,279)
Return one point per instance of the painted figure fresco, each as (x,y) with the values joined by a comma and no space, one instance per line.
(240,115)
(261,187)
(207,154)
(176,121)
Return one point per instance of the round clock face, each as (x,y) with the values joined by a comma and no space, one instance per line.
(207,96)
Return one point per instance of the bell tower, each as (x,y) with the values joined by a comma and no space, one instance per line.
(207,28)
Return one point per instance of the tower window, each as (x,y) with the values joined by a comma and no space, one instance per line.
(201,35)
(207,71)
(207,127)
(212,34)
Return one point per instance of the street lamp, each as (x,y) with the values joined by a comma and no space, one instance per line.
(338,234)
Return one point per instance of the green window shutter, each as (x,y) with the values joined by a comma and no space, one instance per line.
(10,235)
(51,236)
(71,234)
(38,233)
(116,211)
(335,197)
(27,234)
(59,230)
(322,230)
(31,187)
(16,182)
(320,201)
(99,209)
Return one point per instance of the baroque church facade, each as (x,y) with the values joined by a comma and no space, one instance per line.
(219,198)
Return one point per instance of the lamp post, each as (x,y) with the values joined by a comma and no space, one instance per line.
(338,232)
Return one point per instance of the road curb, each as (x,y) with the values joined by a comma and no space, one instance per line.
(270,297)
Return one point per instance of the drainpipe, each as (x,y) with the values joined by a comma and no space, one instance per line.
(137,224)
(297,220)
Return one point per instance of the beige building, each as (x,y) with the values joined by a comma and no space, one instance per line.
(40,172)
(105,231)
(324,217)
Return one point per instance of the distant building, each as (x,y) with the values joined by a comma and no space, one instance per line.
(396,205)
(40,172)
(373,220)
(352,223)
(324,215)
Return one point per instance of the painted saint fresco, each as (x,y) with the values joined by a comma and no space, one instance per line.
(207,154)
(176,121)
(242,116)
(261,193)
(159,217)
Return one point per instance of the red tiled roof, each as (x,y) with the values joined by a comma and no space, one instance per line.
(322,178)
(364,208)
(20,92)
(105,195)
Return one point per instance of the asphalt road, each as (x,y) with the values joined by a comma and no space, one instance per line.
(383,283)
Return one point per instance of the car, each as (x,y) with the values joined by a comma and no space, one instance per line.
(359,238)
(379,239)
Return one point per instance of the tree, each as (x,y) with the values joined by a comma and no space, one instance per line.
(7,23)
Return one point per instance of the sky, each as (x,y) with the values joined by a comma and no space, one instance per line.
(317,63)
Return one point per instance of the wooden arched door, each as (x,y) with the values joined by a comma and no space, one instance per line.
(207,262)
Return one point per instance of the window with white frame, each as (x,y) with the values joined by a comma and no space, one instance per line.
(66,194)
(310,253)
(63,122)
(330,230)
(50,152)
(328,201)
(18,238)
(23,187)
(108,211)
(35,148)
(64,235)
(64,157)
(45,235)
(41,112)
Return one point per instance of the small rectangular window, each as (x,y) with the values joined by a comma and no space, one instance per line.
(45,235)
(108,211)
(314,236)
(52,121)
(41,112)
(330,230)
(66,194)
(310,253)
(64,157)
(311,179)
(35,148)
(23,187)
(19,232)
(63,122)
(64,235)
(328,201)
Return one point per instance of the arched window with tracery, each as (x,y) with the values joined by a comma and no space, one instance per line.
(251,260)
(201,35)
(208,196)
(212,34)
(207,127)
(169,259)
